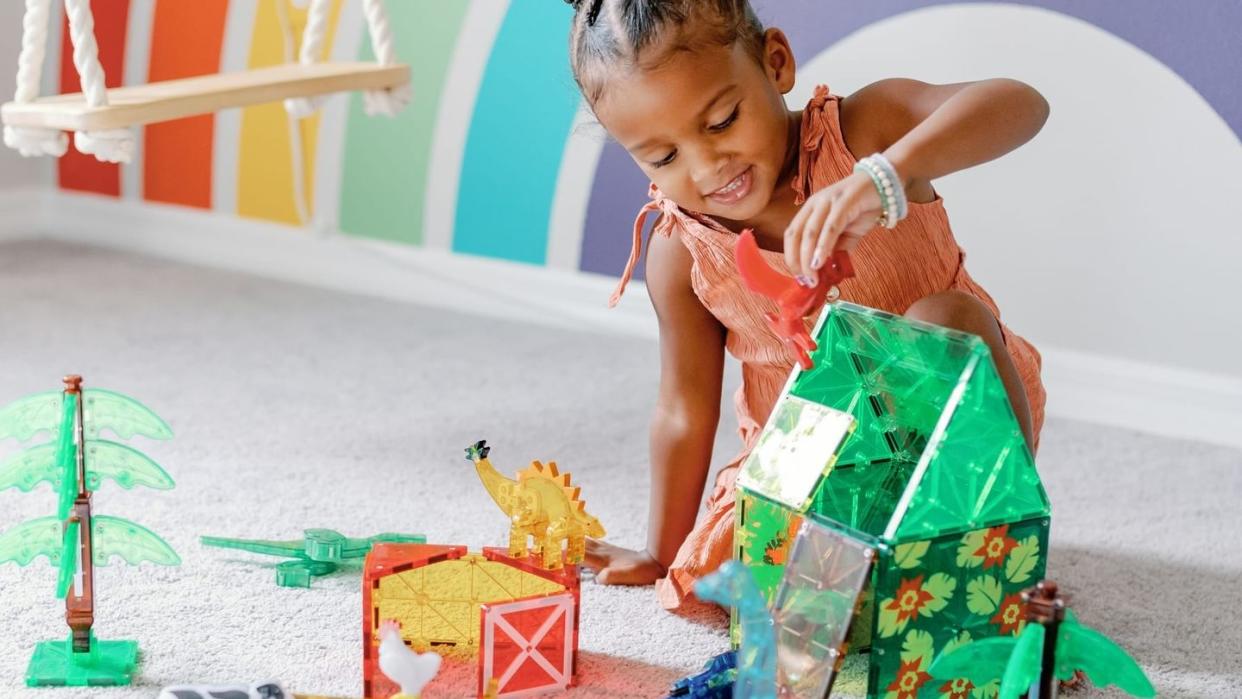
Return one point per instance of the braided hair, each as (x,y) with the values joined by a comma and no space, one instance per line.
(607,34)
(592,10)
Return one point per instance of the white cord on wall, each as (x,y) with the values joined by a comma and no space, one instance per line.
(297,160)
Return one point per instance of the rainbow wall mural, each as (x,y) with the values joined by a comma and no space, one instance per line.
(486,161)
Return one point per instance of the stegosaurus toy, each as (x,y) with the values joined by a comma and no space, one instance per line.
(541,504)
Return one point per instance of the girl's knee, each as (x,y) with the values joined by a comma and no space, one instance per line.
(957,310)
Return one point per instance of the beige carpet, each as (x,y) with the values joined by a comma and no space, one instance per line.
(296,408)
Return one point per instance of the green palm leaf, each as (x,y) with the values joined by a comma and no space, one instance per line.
(26,469)
(68,559)
(109,410)
(981,661)
(1024,665)
(104,460)
(53,462)
(26,417)
(67,457)
(123,464)
(1080,647)
(113,536)
(31,539)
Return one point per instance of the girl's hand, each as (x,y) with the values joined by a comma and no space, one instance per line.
(834,218)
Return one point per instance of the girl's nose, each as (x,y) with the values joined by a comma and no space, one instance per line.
(710,172)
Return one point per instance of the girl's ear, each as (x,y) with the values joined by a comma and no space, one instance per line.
(778,59)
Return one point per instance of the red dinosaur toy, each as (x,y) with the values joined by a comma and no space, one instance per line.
(794,300)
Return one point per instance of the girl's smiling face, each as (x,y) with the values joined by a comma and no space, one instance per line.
(709,125)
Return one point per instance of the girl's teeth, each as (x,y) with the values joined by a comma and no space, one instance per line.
(737,182)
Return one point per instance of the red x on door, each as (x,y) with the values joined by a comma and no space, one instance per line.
(528,645)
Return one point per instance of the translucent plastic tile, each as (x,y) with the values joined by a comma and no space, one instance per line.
(797,448)
(900,379)
(814,608)
(935,477)
(895,377)
(763,536)
(979,472)
(439,603)
(527,645)
(934,595)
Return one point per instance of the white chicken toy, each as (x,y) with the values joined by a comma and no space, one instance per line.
(402,665)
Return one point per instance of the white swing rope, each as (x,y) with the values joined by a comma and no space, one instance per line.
(375,102)
(109,145)
(313,37)
(118,145)
(385,102)
(30,141)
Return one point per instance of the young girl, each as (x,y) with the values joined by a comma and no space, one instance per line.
(693,90)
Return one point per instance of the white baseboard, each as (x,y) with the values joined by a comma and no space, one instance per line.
(1162,400)
(1159,399)
(332,260)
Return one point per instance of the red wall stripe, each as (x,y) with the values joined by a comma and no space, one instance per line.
(78,171)
(186,40)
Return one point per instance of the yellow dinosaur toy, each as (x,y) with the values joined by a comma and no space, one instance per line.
(541,504)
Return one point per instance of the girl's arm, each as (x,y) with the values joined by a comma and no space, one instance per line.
(925,131)
(928,131)
(683,428)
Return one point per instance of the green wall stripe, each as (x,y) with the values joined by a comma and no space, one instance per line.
(386,160)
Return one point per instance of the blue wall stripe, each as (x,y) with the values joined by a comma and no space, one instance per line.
(521,121)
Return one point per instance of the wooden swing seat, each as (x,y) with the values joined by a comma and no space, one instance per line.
(173,99)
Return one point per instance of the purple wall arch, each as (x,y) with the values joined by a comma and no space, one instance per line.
(1198,40)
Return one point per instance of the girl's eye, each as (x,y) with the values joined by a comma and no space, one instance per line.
(665,160)
(726,123)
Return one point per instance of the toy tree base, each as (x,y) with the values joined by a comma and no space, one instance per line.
(109,663)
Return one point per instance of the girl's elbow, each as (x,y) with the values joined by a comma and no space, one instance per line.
(1040,107)
(1035,104)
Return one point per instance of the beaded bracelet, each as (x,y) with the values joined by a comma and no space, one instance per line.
(889,205)
(893,203)
(902,202)
(886,204)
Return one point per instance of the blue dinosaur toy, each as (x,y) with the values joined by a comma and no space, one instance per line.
(733,585)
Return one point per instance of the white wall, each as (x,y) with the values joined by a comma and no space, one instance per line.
(1109,241)
(16,171)
(1113,232)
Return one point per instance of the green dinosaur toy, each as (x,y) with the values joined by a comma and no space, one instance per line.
(318,552)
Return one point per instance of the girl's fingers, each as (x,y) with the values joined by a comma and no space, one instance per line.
(810,234)
(792,237)
(829,234)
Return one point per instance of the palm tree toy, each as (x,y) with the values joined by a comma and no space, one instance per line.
(74,463)
(1052,646)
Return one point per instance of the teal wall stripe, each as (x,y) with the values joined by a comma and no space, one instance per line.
(518,131)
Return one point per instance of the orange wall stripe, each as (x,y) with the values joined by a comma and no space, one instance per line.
(186,38)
